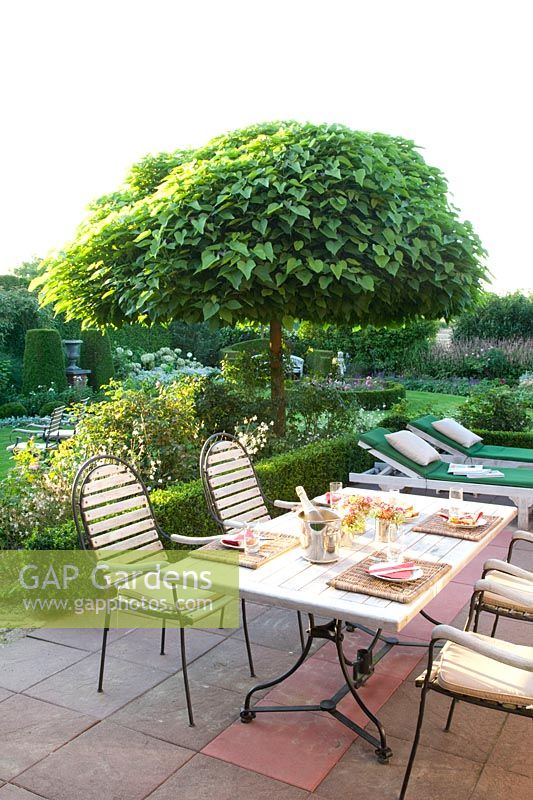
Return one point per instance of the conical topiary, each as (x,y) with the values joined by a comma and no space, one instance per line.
(44,362)
(96,356)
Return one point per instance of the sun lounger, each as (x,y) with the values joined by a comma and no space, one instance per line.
(396,471)
(479,453)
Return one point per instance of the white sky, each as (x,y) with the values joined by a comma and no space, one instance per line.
(90,86)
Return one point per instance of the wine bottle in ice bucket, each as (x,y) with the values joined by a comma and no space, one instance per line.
(320,531)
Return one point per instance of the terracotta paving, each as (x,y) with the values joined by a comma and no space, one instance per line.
(60,740)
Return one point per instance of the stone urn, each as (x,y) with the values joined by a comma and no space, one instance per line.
(75,375)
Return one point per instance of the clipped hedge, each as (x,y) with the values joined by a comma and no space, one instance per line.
(182,508)
(507,438)
(319,362)
(14,409)
(372,399)
(96,356)
(250,346)
(44,362)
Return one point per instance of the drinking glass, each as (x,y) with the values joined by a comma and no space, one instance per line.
(251,540)
(335,494)
(395,543)
(456,500)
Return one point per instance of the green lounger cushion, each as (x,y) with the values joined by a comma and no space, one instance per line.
(438,470)
(478,450)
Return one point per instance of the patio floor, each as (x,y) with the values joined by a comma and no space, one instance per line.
(61,740)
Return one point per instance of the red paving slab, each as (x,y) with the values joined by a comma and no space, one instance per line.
(472,572)
(298,748)
(443,608)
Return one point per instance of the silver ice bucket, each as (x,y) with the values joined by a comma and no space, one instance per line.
(321,541)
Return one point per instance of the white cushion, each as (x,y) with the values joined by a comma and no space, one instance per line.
(453,430)
(412,446)
(466,672)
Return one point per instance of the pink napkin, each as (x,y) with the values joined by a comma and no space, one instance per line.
(391,570)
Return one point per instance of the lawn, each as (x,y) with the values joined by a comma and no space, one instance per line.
(419,403)
(5,457)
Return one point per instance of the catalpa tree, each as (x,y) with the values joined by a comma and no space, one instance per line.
(273,223)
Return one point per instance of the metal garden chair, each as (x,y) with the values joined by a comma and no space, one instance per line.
(73,419)
(113,514)
(475,669)
(234,497)
(498,577)
(48,434)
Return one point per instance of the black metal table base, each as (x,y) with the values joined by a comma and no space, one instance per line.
(356,673)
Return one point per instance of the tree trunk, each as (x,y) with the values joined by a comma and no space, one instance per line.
(277,382)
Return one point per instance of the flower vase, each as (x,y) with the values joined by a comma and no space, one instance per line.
(381,533)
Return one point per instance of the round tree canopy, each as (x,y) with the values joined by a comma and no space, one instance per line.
(276,221)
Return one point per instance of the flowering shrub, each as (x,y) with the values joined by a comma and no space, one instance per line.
(33,496)
(253,435)
(164,366)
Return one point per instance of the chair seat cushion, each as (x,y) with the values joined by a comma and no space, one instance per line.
(465,672)
(510,582)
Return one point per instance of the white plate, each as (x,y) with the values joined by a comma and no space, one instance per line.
(481,521)
(232,546)
(415,575)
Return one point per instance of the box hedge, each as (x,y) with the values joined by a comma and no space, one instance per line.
(182,508)
(319,362)
(372,399)
(250,346)
(96,356)
(507,438)
(44,362)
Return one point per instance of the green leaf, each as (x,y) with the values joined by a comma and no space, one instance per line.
(141,236)
(239,247)
(367,282)
(235,278)
(226,315)
(298,244)
(208,258)
(260,225)
(246,267)
(382,260)
(334,245)
(359,176)
(338,269)
(324,281)
(234,305)
(269,251)
(210,309)
(273,207)
(302,211)
(199,224)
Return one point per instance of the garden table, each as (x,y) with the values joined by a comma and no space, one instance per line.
(289,581)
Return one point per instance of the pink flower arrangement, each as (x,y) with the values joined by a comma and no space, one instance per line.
(354,511)
(388,511)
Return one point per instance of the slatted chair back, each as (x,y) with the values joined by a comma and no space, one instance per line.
(51,433)
(112,509)
(230,482)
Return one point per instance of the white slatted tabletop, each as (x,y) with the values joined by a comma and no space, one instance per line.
(290,581)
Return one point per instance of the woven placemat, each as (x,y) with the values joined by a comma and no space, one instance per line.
(355,579)
(439,526)
(275,545)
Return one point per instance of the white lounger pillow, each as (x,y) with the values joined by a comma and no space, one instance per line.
(412,446)
(453,430)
